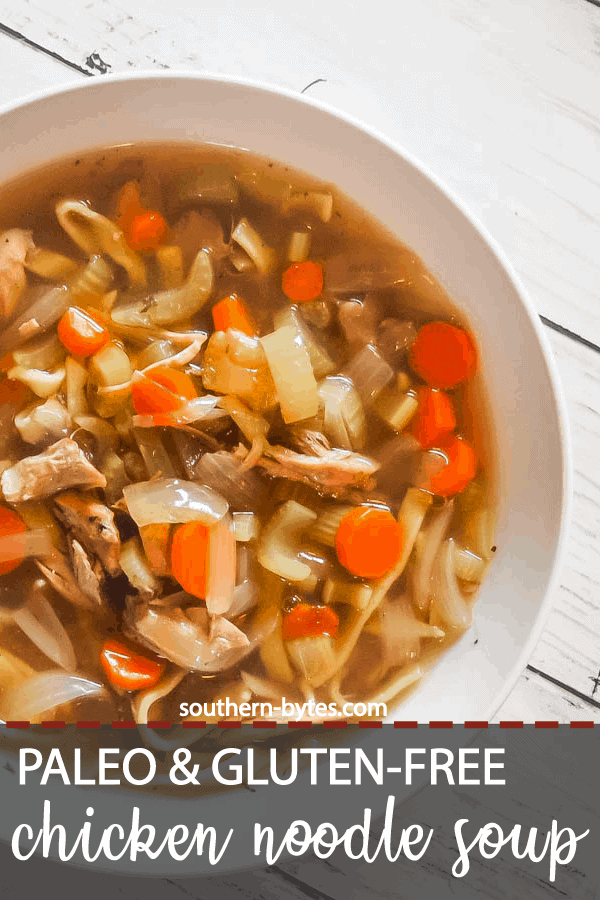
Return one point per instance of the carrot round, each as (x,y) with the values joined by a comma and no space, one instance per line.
(189,557)
(443,354)
(161,390)
(147,230)
(434,418)
(303,281)
(10,523)
(307,620)
(368,541)
(81,333)
(128,669)
(230,312)
(460,469)
(174,380)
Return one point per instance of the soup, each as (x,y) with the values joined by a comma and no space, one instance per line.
(242,451)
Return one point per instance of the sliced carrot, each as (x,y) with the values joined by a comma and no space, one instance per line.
(230,312)
(443,355)
(156,539)
(149,396)
(434,418)
(174,380)
(303,281)
(368,541)
(147,231)
(460,469)
(81,333)
(128,669)
(189,557)
(10,523)
(306,620)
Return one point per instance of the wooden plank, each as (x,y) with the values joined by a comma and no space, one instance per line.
(22,882)
(23,70)
(535,699)
(496,98)
(569,647)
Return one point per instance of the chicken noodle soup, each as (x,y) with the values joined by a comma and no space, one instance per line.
(241,443)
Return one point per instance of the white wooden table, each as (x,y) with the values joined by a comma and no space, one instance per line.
(501,98)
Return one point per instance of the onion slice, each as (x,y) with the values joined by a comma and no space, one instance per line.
(447,602)
(200,409)
(425,558)
(173,500)
(42,626)
(45,691)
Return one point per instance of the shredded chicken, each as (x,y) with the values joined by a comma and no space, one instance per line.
(206,644)
(332,472)
(61,466)
(93,524)
(14,245)
(87,575)
(58,573)
(305,440)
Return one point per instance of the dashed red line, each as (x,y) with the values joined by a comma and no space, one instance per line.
(328,723)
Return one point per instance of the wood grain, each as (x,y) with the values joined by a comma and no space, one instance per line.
(496,98)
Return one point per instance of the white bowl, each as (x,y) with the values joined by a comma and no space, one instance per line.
(528,420)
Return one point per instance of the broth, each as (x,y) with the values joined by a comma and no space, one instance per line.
(243,451)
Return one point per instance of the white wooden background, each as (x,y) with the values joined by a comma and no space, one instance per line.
(501,98)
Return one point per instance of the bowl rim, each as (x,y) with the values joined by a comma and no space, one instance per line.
(140,76)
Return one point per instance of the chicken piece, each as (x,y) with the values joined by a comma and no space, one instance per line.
(191,639)
(332,472)
(93,524)
(61,466)
(87,575)
(44,423)
(56,570)
(14,245)
(306,440)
